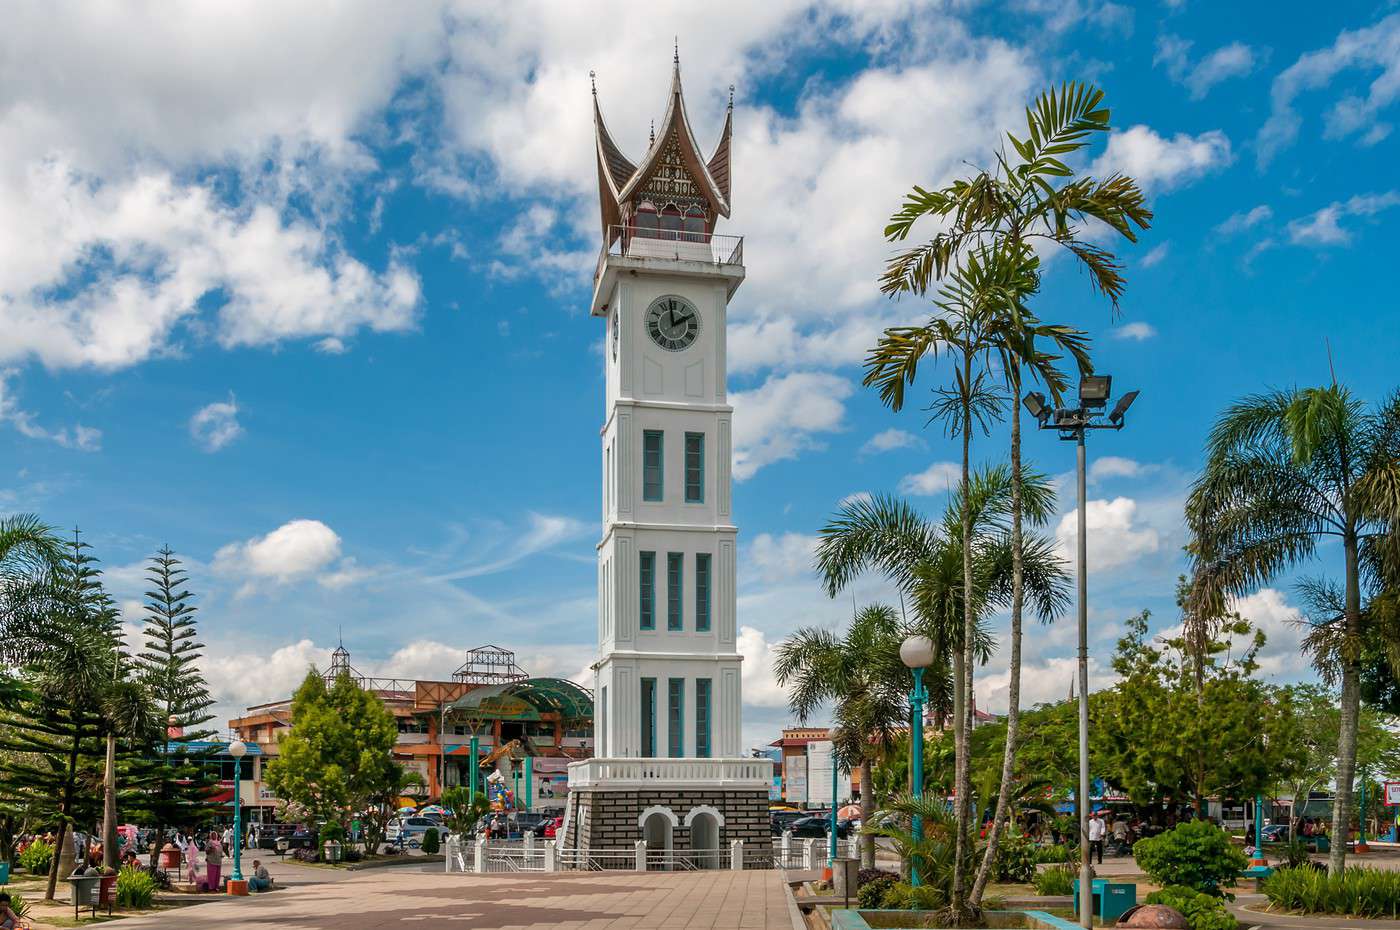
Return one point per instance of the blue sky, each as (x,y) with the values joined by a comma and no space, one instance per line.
(302,291)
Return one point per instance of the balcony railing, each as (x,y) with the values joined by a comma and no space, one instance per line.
(673,245)
(660,773)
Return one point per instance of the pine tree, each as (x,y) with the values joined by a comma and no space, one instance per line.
(177,785)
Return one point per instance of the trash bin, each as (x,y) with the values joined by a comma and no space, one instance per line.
(4,873)
(1111,899)
(331,849)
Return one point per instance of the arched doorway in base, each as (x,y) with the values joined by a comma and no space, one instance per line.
(658,824)
(706,843)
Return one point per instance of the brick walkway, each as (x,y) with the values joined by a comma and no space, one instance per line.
(411,898)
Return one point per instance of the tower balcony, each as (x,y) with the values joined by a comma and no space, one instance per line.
(633,774)
(668,251)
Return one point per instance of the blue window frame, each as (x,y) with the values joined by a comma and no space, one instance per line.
(702,718)
(675,717)
(648,590)
(653,464)
(648,717)
(695,468)
(675,570)
(702,592)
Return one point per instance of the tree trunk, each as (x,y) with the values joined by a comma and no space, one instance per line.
(65,808)
(1350,710)
(867,810)
(1013,688)
(109,806)
(962,763)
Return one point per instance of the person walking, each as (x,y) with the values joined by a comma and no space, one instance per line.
(1096,834)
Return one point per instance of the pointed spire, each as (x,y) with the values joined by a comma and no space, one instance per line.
(593,80)
(731,98)
(653,133)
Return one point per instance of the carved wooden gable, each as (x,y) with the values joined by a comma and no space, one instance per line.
(672,182)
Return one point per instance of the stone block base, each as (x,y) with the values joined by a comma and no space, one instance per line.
(690,819)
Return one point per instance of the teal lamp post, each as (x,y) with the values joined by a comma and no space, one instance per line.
(1259,861)
(237,749)
(916,652)
(1361,845)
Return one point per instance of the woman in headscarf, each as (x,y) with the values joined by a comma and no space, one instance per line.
(213,860)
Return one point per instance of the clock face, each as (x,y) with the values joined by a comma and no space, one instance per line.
(616,332)
(673,323)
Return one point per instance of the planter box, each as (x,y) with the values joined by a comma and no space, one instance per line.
(870,919)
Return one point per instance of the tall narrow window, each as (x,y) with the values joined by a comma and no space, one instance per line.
(648,589)
(653,467)
(702,592)
(600,736)
(648,717)
(702,718)
(694,468)
(675,564)
(675,717)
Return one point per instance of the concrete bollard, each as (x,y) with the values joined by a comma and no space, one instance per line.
(641,855)
(736,855)
(551,856)
(453,851)
(814,853)
(480,863)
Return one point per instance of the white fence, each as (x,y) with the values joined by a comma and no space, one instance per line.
(530,855)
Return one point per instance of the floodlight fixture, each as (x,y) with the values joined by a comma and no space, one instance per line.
(1035,404)
(1094,390)
(1121,408)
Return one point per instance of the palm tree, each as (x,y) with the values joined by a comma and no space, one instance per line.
(1286,472)
(932,854)
(930,564)
(1031,198)
(862,676)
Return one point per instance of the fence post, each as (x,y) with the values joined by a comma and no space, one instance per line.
(814,856)
(529,843)
(787,845)
(641,855)
(480,864)
(852,849)
(736,855)
(551,851)
(453,850)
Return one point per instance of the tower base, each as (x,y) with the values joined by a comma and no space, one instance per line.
(689,813)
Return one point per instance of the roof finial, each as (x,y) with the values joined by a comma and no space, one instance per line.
(593,79)
(676,57)
(653,132)
(731,96)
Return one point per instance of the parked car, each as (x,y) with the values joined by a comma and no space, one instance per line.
(778,821)
(409,831)
(817,826)
(266,835)
(1275,833)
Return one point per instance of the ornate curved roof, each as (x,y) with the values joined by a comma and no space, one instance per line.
(533,699)
(619,180)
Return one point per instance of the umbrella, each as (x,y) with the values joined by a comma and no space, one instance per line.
(849,812)
(433,809)
(409,809)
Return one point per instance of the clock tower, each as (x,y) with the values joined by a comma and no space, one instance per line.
(667,694)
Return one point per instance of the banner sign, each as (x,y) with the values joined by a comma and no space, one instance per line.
(1392,793)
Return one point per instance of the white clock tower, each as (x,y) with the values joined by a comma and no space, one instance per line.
(667,696)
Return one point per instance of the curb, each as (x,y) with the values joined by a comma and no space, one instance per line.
(392,863)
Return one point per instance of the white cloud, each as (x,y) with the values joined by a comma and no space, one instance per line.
(760,688)
(1233,60)
(889,440)
(1116,535)
(1245,219)
(1114,466)
(1156,255)
(1159,163)
(1325,228)
(241,677)
(1374,48)
(295,550)
(780,419)
(775,558)
(936,479)
(1044,680)
(1137,331)
(77,436)
(216,425)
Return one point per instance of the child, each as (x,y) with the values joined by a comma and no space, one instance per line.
(8,918)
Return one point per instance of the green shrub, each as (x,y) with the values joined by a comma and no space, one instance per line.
(331,831)
(430,841)
(1297,853)
(1056,880)
(1357,892)
(1197,854)
(1202,911)
(135,888)
(872,894)
(1053,853)
(20,906)
(37,857)
(1016,859)
(902,896)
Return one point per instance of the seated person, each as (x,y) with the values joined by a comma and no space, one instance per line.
(260,880)
(8,918)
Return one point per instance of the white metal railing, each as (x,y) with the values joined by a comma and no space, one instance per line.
(671,244)
(635,772)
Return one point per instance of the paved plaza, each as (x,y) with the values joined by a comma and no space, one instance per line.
(411,897)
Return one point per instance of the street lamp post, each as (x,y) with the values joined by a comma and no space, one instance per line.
(1072,423)
(917,653)
(1361,845)
(237,749)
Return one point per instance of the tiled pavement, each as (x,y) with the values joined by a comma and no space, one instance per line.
(411,898)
